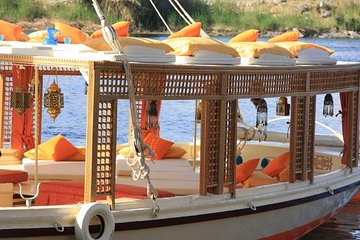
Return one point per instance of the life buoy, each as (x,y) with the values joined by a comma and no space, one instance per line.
(86,214)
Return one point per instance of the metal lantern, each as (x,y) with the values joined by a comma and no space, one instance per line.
(328,109)
(282,107)
(20,100)
(261,114)
(54,100)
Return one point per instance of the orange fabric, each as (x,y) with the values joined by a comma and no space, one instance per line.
(277,164)
(247,36)
(71,192)
(78,156)
(284,176)
(77,36)
(244,170)
(23,37)
(256,49)
(193,30)
(159,145)
(121,28)
(258,179)
(58,148)
(285,37)
(10,31)
(13,176)
(22,125)
(295,47)
(175,152)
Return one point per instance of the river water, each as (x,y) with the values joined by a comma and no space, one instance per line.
(180,127)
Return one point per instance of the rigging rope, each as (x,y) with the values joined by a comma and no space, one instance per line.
(139,168)
(161,17)
(202,32)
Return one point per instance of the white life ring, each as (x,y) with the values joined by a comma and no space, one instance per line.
(86,214)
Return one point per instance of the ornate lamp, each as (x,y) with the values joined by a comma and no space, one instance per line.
(20,100)
(32,87)
(328,109)
(261,114)
(54,100)
(282,107)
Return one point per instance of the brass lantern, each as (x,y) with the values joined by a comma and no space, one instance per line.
(20,99)
(328,108)
(282,107)
(54,100)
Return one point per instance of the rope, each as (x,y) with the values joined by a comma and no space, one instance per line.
(138,166)
(161,17)
(202,32)
(180,13)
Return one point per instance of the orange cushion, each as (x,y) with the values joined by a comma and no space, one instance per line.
(159,145)
(247,36)
(78,156)
(175,152)
(58,148)
(277,164)
(121,28)
(285,37)
(258,179)
(244,170)
(284,176)
(12,176)
(71,192)
(193,30)
(77,36)
(10,31)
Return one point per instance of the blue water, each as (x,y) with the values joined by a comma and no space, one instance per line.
(177,124)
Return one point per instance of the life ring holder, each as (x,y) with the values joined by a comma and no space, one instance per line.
(86,214)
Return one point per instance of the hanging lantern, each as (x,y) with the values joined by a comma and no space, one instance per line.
(20,100)
(328,109)
(54,100)
(282,107)
(261,114)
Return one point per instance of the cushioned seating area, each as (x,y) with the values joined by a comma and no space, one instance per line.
(12,176)
(71,192)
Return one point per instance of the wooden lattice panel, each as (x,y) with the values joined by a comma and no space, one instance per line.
(248,85)
(105,156)
(7,111)
(210,134)
(327,81)
(302,137)
(230,143)
(355,132)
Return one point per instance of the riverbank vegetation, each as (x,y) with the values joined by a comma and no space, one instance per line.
(221,17)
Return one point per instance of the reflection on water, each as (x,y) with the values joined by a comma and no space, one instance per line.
(344,225)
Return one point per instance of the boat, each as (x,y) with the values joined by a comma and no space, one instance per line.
(169,201)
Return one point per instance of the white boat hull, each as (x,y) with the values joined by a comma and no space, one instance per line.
(283,211)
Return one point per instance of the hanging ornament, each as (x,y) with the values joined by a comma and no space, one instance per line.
(54,100)
(328,108)
(282,107)
(152,114)
(261,116)
(20,100)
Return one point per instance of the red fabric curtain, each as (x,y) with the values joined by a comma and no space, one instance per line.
(147,121)
(22,125)
(344,120)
